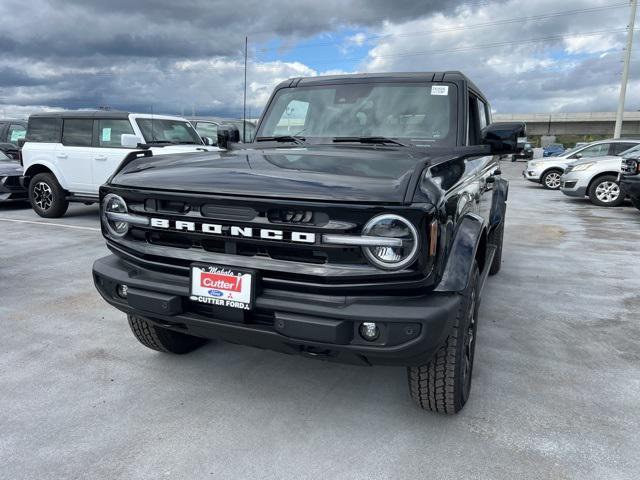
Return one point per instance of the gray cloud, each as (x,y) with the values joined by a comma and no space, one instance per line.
(176,56)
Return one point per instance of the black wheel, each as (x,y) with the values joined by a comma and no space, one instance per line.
(605,191)
(443,385)
(497,238)
(551,179)
(47,197)
(163,339)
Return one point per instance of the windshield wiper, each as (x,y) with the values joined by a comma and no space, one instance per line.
(160,142)
(283,138)
(378,140)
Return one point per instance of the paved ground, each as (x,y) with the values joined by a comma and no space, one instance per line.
(556,388)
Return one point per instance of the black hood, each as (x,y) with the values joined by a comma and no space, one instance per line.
(330,173)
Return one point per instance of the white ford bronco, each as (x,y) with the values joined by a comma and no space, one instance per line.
(68,155)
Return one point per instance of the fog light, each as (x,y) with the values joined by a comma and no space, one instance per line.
(122,291)
(369,331)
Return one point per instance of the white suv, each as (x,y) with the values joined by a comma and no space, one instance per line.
(68,155)
(548,170)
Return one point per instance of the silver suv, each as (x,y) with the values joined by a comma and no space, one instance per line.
(548,170)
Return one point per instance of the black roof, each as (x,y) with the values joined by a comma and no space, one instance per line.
(449,76)
(83,114)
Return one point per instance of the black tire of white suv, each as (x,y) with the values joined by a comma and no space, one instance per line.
(163,339)
(47,197)
(443,385)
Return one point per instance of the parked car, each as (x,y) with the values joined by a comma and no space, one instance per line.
(67,156)
(553,150)
(526,153)
(547,171)
(10,132)
(354,242)
(10,173)
(630,176)
(207,127)
(596,178)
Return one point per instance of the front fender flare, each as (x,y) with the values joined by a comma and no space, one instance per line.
(462,254)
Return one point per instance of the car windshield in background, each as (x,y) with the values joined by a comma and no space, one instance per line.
(4,158)
(412,112)
(156,130)
(633,152)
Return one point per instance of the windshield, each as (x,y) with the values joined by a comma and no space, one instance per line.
(633,152)
(413,112)
(156,130)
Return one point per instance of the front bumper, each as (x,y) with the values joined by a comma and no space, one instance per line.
(574,184)
(11,190)
(531,174)
(411,328)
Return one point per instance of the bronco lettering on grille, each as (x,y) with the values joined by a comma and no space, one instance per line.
(234,231)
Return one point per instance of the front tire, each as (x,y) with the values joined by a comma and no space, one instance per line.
(443,385)
(551,179)
(605,191)
(163,339)
(497,238)
(47,197)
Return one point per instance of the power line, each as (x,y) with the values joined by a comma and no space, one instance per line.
(459,28)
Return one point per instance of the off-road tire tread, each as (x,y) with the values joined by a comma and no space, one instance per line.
(433,386)
(60,203)
(498,236)
(162,339)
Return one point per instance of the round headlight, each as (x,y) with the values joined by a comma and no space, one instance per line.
(391,226)
(113,203)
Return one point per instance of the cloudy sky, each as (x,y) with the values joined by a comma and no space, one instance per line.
(177,56)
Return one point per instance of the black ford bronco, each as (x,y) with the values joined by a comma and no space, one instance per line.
(358,226)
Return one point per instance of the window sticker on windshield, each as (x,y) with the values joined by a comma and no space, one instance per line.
(439,90)
(106,134)
(17,135)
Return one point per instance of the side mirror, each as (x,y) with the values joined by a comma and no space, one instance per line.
(21,142)
(503,137)
(128,140)
(208,141)
(227,134)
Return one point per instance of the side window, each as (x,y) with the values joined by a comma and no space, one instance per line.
(594,151)
(16,132)
(474,122)
(618,148)
(293,119)
(482,114)
(77,132)
(208,129)
(43,130)
(110,132)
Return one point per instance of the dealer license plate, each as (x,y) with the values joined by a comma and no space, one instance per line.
(222,286)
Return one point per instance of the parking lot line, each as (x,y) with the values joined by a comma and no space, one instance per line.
(76,227)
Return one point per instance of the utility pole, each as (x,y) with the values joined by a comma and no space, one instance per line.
(244,100)
(625,71)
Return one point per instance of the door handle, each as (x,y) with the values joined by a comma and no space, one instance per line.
(497,172)
(101,158)
(491,179)
(61,155)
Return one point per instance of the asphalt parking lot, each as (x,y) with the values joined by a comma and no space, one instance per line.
(555,394)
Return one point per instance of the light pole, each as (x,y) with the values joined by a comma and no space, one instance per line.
(625,71)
